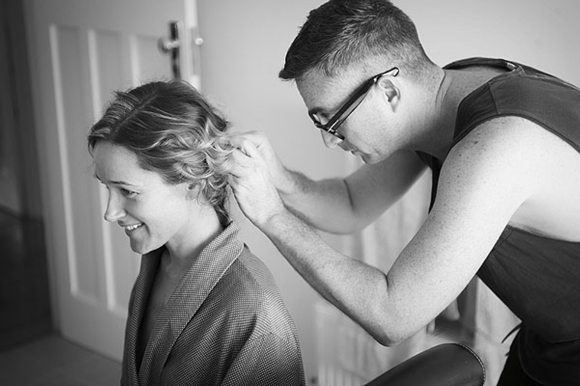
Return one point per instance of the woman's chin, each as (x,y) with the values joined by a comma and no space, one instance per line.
(140,248)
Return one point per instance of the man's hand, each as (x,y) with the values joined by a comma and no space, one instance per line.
(260,142)
(252,184)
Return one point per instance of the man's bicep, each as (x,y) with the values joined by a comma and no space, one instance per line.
(483,182)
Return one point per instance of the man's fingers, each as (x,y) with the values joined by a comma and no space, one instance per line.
(237,162)
(251,150)
(238,140)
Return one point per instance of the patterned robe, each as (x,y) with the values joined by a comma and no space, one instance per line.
(224,324)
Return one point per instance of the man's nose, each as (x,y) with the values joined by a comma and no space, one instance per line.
(114,210)
(330,140)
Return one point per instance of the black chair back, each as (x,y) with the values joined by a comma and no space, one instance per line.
(447,364)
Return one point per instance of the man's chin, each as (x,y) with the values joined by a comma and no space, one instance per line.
(368,159)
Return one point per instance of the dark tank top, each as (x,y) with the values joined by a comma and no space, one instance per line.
(537,277)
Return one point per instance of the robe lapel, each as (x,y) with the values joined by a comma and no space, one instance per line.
(141,289)
(205,272)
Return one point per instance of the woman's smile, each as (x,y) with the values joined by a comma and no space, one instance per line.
(129,229)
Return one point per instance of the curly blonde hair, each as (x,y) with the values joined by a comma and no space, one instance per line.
(173,131)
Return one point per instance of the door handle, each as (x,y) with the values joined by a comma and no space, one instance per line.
(171,46)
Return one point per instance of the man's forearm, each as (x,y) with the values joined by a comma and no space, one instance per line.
(357,289)
(346,205)
(325,204)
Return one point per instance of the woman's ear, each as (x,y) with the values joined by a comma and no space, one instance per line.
(192,191)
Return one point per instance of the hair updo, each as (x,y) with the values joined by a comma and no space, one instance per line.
(173,131)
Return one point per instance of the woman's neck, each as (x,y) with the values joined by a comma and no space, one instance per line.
(203,228)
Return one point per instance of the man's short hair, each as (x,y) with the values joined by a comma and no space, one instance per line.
(344,32)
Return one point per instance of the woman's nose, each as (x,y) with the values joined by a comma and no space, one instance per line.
(330,140)
(114,210)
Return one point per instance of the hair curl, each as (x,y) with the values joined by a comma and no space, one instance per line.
(173,131)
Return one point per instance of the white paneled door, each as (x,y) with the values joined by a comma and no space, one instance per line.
(82,50)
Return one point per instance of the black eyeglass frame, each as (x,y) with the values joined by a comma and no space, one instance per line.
(350,105)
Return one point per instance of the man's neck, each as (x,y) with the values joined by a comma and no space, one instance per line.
(453,87)
(438,117)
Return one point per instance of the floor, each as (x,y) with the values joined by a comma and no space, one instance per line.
(53,361)
(30,353)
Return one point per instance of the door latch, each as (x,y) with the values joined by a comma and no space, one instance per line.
(171,45)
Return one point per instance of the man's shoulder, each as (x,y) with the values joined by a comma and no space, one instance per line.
(501,133)
(504,150)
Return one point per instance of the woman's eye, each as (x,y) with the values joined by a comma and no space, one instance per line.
(128,193)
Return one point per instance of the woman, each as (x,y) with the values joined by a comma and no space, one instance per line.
(204,310)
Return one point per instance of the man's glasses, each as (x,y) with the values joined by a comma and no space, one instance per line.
(351,104)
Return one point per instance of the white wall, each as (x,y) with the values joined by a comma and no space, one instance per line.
(542,34)
(245,44)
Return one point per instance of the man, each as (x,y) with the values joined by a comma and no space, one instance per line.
(503,142)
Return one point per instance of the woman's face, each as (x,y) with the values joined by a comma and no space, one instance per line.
(152,212)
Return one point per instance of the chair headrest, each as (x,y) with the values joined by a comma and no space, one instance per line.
(445,364)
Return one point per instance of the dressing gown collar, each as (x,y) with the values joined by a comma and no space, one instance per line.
(205,272)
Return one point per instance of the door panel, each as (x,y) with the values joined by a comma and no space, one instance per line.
(83,50)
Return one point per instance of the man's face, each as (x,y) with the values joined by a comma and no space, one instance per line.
(364,131)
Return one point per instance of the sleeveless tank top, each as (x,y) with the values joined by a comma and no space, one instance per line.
(537,277)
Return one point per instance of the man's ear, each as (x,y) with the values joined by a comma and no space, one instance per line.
(391,91)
